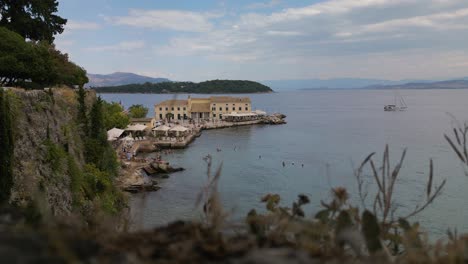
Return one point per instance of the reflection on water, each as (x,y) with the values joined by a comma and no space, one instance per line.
(328,132)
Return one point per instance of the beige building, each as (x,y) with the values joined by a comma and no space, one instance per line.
(171,109)
(149,122)
(212,108)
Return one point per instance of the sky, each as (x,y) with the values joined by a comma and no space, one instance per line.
(188,40)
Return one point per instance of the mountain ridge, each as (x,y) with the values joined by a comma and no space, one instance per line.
(120,78)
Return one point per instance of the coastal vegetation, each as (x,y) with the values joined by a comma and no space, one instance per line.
(137,111)
(114,116)
(28,57)
(32,64)
(208,87)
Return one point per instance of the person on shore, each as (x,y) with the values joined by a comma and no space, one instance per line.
(302,165)
(284,164)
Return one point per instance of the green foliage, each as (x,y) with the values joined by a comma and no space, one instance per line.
(138,111)
(82,110)
(114,116)
(98,151)
(208,87)
(32,19)
(55,156)
(6,147)
(98,185)
(39,62)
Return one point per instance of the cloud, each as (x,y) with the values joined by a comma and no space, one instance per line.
(81,25)
(332,28)
(124,46)
(167,19)
(263,5)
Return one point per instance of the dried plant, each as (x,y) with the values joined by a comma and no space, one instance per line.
(209,196)
(458,142)
(383,204)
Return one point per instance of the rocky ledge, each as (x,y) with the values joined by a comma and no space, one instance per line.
(274,119)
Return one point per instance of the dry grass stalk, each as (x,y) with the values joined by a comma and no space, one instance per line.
(209,196)
(385,179)
(459,143)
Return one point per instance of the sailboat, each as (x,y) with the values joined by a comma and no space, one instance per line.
(399,104)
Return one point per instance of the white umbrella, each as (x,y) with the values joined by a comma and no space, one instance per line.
(114,134)
(137,127)
(162,128)
(179,128)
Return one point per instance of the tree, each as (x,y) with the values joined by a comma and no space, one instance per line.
(114,116)
(6,148)
(98,150)
(15,57)
(32,19)
(82,109)
(37,62)
(138,111)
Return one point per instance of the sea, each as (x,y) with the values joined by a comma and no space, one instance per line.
(327,135)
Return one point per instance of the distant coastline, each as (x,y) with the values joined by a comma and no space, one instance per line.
(208,87)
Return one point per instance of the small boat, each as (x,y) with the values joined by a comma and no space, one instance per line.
(399,105)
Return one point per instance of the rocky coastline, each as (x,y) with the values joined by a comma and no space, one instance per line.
(142,174)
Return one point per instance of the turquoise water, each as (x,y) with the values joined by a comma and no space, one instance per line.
(328,131)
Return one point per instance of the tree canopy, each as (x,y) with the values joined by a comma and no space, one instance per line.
(114,116)
(37,62)
(32,19)
(208,87)
(138,111)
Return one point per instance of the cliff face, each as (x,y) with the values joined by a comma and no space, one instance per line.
(48,148)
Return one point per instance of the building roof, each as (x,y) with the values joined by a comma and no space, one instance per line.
(229,99)
(172,102)
(200,107)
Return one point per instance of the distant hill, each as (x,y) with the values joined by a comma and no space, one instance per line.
(120,78)
(208,87)
(451,84)
(338,83)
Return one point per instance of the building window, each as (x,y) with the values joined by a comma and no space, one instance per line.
(227,108)
(160,108)
(185,116)
(178,108)
(167,109)
(184,108)
(240,108)
(220,109)
(220,116)
(160,116)
(172,108)
(233,104)
(233,109)
(213,108)
(178,116)
(214,115)
(246,109)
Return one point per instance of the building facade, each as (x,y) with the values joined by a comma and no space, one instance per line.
(149,122)
(212,108)
(171,110)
